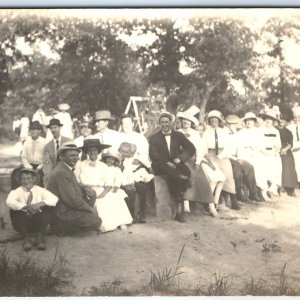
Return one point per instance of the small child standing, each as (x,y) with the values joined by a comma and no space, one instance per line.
(111,207)
(31,208)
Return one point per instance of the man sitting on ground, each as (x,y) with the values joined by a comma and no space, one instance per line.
(75,208)
(31,209)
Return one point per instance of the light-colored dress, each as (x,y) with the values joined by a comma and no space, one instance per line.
(111,208)
(250,143)
(66,120)
(218,151)
(271,145)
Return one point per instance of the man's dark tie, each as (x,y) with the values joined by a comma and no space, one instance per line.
(73,170)
(216,142)
(297,132)
(57,147)
(29,199)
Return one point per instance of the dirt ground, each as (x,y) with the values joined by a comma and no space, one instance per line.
(257,240)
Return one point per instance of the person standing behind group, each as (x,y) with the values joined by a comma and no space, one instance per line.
(169,151)
(295,129)
(32,154)
(289,175)
(65,119)
(50,155)
(105,134)
(200,190)
(216,139)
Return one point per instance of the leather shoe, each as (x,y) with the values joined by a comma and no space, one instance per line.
(180,218)
(27,245)
(40,242)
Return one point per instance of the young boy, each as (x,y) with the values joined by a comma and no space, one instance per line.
(31,209)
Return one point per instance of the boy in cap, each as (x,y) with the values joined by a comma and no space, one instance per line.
(31,209)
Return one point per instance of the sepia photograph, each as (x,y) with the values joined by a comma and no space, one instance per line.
(150,152)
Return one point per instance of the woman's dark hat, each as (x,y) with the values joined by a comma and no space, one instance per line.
(93,143)
(35,125)
(54,122)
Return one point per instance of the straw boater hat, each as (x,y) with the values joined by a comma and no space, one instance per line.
(232,119)
(250,116)
(168,115)
(68,146)
(28,170)
(113,153)
(189,114)
(270,114)
(215,114)
(103,115)
(63,106)
(54,122)
(35,125)
(93,143)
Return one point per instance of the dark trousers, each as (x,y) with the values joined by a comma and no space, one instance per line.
(243,174)
(177,185)
(141,190)
(37,223)
(16,174)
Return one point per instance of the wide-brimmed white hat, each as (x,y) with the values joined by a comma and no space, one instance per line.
(270,114)
(249,115)
(185,115)
(168,115)
(68,146)
(112,153)
(63,106)
(215,114)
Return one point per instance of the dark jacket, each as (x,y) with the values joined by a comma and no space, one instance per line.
(180,147)
(71,203)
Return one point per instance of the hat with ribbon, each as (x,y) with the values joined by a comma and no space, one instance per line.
(68,146)
(103,115)
(215,114)
(113,153)
(93,143)
(166,114)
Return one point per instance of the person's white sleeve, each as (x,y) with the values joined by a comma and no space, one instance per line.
(77,170)
(118,178)
(24,155)
(48,198)
(199,150)
(13,201)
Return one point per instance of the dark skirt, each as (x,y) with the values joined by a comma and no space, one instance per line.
(200,190)
(289,175)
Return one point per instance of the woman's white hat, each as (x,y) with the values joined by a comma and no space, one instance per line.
(63,106)
(250,115)
(215,114)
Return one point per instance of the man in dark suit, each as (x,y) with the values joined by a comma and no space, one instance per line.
(74,210)
(169,150)
(50,157)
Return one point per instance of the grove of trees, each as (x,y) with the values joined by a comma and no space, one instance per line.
(213,62)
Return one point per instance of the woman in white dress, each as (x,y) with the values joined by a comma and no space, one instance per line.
(271,147)
(201,189)
(249,149)
(110,203)
(217,142)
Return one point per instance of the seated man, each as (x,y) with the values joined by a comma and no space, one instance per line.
(75,207)
(31,209)
(169,150)
(32,154)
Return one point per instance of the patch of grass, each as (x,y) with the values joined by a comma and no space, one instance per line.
(25,277)
(271,248)
(218,287)
(161,281)
(113,288)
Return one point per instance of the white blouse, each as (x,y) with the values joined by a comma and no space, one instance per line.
(17,198)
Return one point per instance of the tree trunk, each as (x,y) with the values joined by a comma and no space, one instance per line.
(205,97)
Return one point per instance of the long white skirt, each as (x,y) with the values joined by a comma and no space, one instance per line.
(273,168)
(113,211)
(297,163)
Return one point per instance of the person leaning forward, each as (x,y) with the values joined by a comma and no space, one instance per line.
(169,150)
(75,208)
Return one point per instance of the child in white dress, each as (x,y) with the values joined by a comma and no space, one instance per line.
(104,178)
